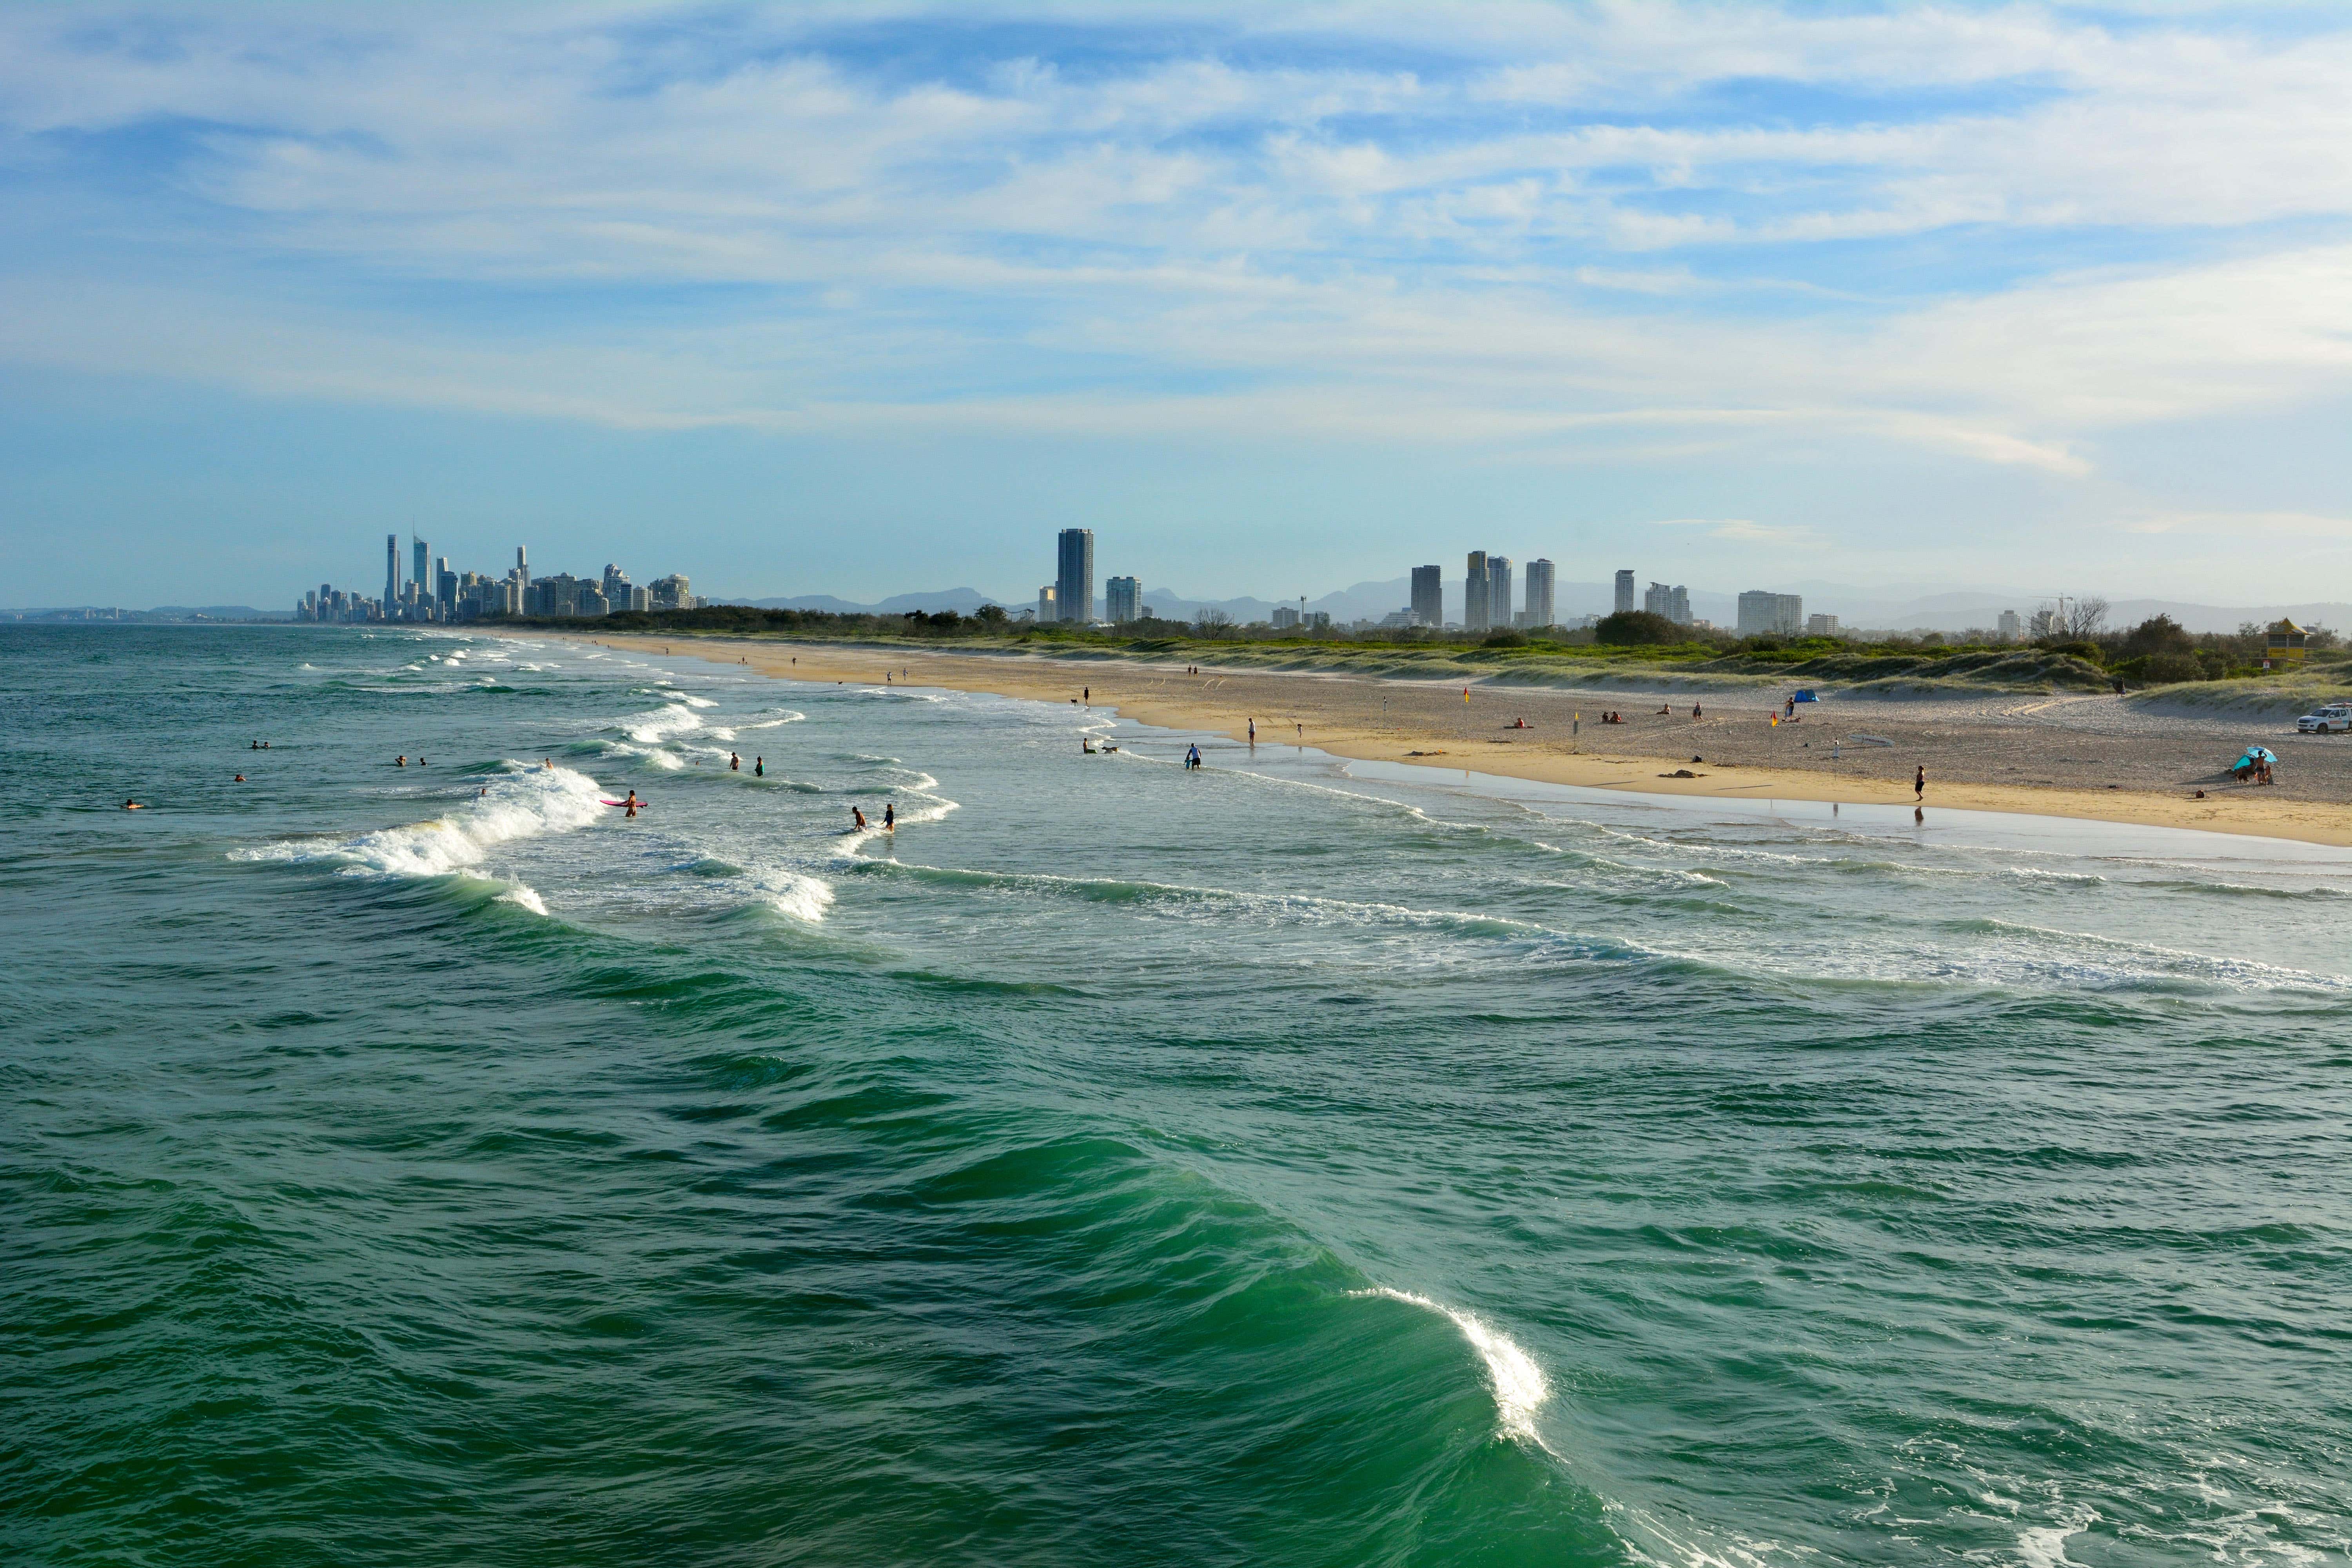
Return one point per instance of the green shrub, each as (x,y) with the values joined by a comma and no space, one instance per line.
(1637,629)
(2166,668)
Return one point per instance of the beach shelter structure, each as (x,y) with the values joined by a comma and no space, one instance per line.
(2283,644)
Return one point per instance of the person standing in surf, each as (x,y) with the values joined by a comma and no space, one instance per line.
(890,818)
(758,767)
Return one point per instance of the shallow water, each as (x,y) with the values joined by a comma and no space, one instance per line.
(1117,1163)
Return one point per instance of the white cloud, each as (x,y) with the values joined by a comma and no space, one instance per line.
(1449,254)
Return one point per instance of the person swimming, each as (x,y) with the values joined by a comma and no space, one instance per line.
(132,806)
(401,762)
(240,778)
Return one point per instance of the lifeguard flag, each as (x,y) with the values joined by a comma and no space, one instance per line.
(1465,694)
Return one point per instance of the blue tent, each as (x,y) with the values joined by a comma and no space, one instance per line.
(1805,697)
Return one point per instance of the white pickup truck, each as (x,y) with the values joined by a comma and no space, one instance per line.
(2332,719)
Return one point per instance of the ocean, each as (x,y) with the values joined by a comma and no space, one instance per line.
(1283,1162)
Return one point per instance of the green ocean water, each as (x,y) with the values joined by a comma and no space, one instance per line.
(1272,1162)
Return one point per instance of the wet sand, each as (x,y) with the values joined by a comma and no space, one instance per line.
(2090,757)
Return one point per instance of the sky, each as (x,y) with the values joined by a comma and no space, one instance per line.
(870,299)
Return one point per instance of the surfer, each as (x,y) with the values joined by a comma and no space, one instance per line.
(632,803)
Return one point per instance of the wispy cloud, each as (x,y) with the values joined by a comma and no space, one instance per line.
(1579,234)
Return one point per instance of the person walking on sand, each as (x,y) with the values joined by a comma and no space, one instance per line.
(1919,783)
(1253,734)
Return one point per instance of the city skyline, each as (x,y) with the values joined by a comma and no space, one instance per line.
(1882,295)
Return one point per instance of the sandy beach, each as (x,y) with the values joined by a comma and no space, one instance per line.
(2090,757)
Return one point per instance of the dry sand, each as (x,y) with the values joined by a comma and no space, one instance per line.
(2094,757)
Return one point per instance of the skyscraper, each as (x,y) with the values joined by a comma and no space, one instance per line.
(1074,578)
(1122,598)
(1498,590)
(1540,607)
(523,566)
(422,578)
(1476,614)
(390,571)
(1763,611)
(1624,590)
(445,583)
(1428,596)
(1046,611)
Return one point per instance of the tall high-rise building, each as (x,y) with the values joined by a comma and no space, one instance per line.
(523,566)
(1624,590)
(1678,605)
(1539,605)
(1659,600)
(390,570)
(1047,609)
(1477,612)
(1122,599)
(445,585)
(1762,612)
(2012,625)
(1498,590)
(1074,576)
(1428,596)
(423,577)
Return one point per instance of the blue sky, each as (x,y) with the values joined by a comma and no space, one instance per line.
(860,299)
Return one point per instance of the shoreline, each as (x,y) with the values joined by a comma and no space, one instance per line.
(1338,718)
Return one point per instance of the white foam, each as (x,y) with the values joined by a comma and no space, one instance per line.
(2046,1547)
(651,729)
(523,895)
(520,805)
(1517,1384)
(802,898)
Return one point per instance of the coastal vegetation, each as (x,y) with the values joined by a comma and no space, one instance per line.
(1630,649)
